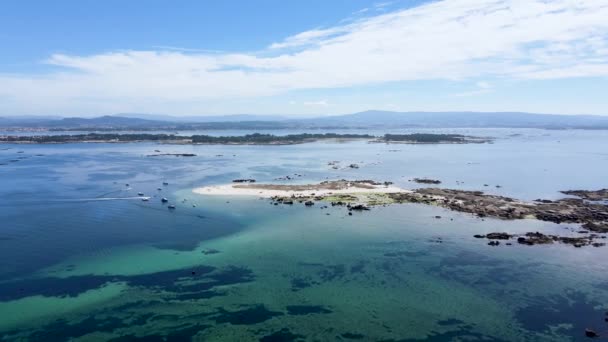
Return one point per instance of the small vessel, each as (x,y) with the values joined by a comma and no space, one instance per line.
(145,199)
(140,194)
(171,206)
(165,183)
(164,200)
(127,184)
(159,189)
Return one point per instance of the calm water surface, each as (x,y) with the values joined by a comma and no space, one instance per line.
(84,259)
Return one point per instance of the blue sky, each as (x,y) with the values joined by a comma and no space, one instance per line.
(302,57)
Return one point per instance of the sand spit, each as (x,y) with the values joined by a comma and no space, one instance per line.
(327,188)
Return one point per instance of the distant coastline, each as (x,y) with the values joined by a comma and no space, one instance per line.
(249,139)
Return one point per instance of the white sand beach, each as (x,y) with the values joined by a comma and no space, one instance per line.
(270,190)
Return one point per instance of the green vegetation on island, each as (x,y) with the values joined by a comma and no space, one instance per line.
(430,138)
(251,139)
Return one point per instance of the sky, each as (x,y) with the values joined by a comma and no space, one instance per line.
(313,57)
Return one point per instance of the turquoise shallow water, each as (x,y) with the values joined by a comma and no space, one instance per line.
(83,260)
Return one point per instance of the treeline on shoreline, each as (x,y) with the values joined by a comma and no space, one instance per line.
(432,138)
(255,138)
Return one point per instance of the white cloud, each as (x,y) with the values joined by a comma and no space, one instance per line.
(483,87)
(451,39)
(321,103)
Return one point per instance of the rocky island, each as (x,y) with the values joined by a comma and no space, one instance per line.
(363,194)
(431,138)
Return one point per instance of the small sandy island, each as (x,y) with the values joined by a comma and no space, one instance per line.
(362,195)
(322,189)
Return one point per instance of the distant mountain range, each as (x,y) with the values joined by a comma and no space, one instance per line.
(367,119)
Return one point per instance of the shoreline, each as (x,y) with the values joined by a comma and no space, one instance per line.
(305,190)
(591,217)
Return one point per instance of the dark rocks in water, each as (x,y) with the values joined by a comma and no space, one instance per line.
(243,180)
(591,333)
(358,207)
(172,154)
(309,203)
(590,195)
(426,181)
(498,236)
(596,227)
(594,215)
(535,238)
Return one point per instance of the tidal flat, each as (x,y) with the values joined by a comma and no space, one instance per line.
(86,259)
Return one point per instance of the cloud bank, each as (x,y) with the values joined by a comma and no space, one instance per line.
(451,39)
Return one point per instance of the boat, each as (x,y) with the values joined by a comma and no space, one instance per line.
(145,199)
(165,183)
(164,200)
(171,206)
(140,194)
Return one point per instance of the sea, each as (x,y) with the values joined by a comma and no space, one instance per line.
(84,258)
